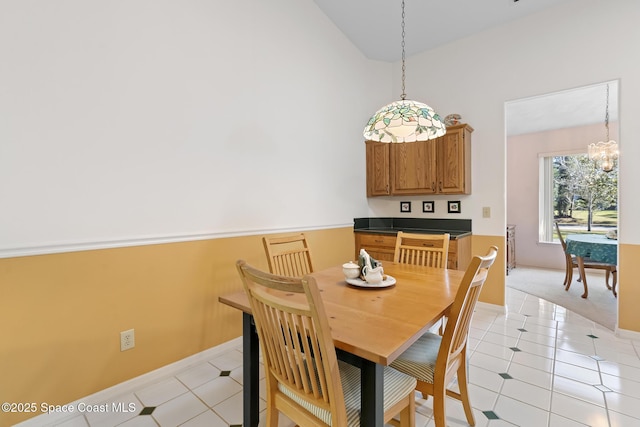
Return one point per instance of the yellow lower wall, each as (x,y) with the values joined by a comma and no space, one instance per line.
(493,291)
(61,314)
(628,289)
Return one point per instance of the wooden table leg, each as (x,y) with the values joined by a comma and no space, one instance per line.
(251,373)
(372,411)
(583,276)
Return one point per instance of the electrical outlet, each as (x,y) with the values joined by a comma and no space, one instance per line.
(127,340)
(486,212)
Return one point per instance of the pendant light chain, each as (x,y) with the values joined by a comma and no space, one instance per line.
(604,153)
(404,95)
(404,120)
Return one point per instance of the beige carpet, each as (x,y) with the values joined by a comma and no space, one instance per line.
(601,306)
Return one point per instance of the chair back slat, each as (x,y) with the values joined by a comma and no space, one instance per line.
(430,250)
(288,255)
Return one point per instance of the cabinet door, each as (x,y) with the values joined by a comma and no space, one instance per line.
(454,161)
(377,154)
(413,168)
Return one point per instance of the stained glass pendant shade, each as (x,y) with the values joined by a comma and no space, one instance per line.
(404,120)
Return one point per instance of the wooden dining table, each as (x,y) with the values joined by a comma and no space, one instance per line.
(370,326)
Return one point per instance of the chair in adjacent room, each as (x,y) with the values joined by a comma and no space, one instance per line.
(288,255)
(434,360)
(571,263)
(429,250)
(304,379)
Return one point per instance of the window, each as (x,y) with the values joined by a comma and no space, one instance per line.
(577,194)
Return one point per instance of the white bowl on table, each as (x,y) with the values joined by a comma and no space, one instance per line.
(351,270)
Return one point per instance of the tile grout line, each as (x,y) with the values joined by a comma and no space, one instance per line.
(553,367)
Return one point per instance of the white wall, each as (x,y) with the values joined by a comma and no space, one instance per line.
(575,44)
(131,120)
(128,121)
(523,152)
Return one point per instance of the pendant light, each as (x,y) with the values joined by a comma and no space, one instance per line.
(404,120)
(605,152)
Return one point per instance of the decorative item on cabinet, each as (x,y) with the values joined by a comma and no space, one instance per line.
(437,166)
(452,119)
(511,247)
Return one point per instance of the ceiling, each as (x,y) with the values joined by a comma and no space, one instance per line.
(569,108)
(374,27)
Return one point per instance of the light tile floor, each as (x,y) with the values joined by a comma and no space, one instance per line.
(539,365)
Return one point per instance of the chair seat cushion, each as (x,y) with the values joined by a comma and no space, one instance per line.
(419,360)
(396,386)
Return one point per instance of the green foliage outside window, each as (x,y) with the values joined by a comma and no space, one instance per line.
(582,190)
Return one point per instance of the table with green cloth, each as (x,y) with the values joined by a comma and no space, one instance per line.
(596,247)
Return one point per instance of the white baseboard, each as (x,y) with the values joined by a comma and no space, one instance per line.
(500,309)
(129,386)
(627,334)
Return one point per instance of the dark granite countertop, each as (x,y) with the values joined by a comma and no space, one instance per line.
(457,228)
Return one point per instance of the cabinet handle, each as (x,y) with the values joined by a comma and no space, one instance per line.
(440,185)
(379,241)
(433,186)
(428,245)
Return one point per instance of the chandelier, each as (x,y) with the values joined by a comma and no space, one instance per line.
(404,120)
(604,153)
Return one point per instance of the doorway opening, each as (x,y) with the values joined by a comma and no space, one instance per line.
(545,134)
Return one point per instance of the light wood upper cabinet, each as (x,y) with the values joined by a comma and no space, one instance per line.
(454,160)
(413,167)
(377,169)
(437,166)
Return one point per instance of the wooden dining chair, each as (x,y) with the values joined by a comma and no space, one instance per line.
(430,250)
(434,359)
(571,263)
(305,380)
(288,255)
